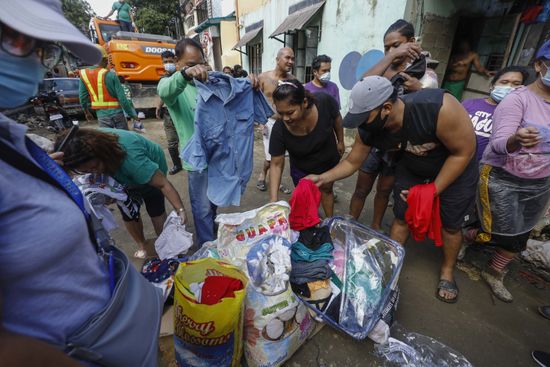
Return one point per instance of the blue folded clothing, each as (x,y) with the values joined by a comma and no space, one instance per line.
(300,252)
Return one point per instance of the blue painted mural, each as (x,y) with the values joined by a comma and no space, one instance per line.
(353,66)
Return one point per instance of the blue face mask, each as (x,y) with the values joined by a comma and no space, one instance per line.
(499,92)
(545,79)
(19,79)
(170,67)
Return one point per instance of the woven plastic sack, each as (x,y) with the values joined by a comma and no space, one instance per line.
(207,335)
(276,322)
(237,232)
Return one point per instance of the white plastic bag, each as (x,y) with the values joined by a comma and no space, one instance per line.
(413,349)
(537,253)
(174,239)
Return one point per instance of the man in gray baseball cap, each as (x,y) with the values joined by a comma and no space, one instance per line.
(367,95)
(437,143)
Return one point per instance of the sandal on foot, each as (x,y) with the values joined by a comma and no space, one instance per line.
(140,254)
(449,287)
(261,185)
(285,190)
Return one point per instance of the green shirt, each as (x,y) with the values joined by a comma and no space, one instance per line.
(180,97)
(115,90)
(123,11)
(143,158)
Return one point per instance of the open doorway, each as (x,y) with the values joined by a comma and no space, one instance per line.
(492,38)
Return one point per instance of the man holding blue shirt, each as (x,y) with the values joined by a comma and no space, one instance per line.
(179,94)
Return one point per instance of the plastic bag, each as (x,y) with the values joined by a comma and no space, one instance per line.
(538,253)
(207,335)
(413,349)
(276,323)
(372,266)
(174,239)
(208,249)
(510,205)
(238,231)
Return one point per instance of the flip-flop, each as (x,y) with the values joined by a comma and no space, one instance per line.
(285,190)
(261,185)
(449,287)
(140,254)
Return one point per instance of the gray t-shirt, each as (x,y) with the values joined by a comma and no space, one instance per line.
(51,279)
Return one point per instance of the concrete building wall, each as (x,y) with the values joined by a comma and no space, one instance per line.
(228,31)
(249,6)
(347,27)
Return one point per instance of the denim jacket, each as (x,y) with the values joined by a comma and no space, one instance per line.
(223,141)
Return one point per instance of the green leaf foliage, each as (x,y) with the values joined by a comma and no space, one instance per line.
(78,12)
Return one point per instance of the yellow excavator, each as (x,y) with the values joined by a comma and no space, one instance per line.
(136,56)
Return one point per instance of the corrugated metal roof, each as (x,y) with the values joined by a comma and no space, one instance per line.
(298,20)
(247,37)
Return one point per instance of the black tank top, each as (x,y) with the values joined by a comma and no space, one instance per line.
(423,154)
(419,148)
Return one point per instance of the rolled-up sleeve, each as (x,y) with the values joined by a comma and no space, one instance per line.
(506,121)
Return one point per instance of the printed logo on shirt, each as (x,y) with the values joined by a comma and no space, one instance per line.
(420,150)
(483,123)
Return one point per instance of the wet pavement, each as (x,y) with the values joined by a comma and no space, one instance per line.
(486,331)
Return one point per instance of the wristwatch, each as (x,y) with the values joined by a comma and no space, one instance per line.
(184,74)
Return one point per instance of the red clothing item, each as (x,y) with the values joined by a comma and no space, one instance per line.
(304,206)
(217,287)
(422,215)
(530,14)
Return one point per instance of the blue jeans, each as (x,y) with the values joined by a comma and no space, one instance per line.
(203,210)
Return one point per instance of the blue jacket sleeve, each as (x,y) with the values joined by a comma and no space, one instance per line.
(262,108)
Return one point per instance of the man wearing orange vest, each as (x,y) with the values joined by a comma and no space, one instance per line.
(101,91)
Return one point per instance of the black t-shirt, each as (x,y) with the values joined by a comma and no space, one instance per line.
(315,152)
(424,154)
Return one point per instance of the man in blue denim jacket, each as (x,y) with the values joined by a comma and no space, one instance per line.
(224,135)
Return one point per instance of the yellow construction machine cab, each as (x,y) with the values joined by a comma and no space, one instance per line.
(136,56)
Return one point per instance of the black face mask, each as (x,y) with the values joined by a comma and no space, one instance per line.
(377,125)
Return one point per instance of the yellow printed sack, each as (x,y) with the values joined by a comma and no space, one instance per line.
(207,335)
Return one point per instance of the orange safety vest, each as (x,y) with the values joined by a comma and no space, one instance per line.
(94,80)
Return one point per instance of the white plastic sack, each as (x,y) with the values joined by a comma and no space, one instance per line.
(276,323)
(174,239)
(237,232)
(538,253)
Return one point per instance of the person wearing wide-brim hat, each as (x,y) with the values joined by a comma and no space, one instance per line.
(63,300)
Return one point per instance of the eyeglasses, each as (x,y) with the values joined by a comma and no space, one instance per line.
(17,44)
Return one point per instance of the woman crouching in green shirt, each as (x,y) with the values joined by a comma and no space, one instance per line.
(135,162)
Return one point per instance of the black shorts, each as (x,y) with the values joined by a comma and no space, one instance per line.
(456,202)
(514,243)
(151,196)
(378,162)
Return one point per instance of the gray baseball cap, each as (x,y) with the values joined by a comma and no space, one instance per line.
(367,94)
(44,20)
